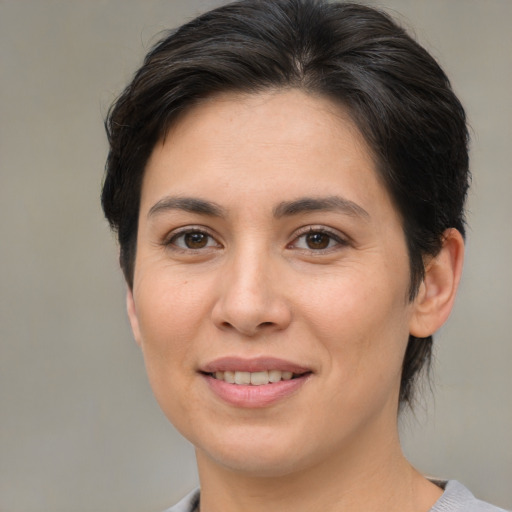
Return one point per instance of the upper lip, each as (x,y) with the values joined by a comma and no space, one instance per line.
(257,364)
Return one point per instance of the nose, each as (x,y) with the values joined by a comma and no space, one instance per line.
(251,298)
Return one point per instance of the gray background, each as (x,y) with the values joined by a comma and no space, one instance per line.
(79,428)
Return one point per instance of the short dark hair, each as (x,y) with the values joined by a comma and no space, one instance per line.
(395,92)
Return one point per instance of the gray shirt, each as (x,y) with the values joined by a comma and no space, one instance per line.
(455,498)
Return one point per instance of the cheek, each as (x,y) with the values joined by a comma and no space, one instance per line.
(361,320)
(168,306)
(171,313)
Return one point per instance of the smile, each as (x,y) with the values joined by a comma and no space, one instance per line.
(253,378)
(254,383)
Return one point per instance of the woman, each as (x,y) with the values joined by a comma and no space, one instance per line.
(287,180)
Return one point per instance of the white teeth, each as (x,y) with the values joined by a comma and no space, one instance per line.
(259,378)
(253,378)
(274,375)
(242,378)
(229,377)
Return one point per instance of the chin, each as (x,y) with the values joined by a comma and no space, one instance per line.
(256,454)
(259,465)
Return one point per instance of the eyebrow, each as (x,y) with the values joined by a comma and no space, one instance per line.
(283,209)
(188,204)
(313,204)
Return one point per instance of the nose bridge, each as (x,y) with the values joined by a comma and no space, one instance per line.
(250,299)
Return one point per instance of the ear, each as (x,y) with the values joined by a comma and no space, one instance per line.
(132,315)
(436,294)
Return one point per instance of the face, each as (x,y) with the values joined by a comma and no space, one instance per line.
(271,283)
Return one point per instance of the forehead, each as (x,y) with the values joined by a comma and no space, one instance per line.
(262,143)
(291,114)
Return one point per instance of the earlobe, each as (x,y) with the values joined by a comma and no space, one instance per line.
(132,316)
(436,295)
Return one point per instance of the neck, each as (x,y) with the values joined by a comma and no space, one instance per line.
(378,478)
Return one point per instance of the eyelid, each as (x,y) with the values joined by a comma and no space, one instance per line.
(340,239)
(184,230)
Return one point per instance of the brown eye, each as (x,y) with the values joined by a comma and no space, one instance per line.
(192,240)
(195,240)
(317,240)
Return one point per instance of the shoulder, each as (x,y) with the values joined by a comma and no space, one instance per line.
(190,503)
(457,498)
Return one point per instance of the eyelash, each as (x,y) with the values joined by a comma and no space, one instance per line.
(171,240)
(311,230)
(338,240)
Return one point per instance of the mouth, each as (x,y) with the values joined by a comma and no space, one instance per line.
(260,378)
(254,383)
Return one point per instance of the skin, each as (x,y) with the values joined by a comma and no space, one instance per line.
(260,287)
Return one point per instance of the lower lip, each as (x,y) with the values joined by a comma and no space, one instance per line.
(255,396)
